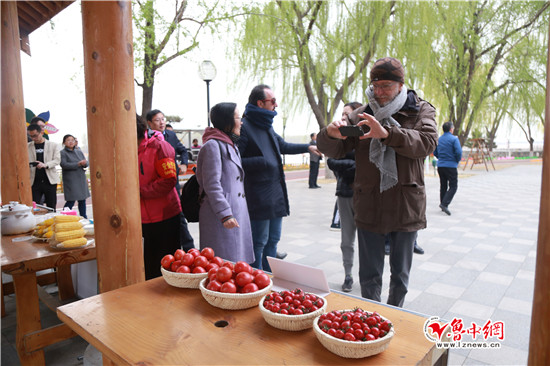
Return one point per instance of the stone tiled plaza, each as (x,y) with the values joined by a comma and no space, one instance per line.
(479,262)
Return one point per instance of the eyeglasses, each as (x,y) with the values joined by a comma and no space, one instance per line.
(383,87)
(272,100)
(159,120)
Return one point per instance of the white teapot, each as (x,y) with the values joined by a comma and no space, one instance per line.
(17,219)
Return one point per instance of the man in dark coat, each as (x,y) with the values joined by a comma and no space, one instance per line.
(264,181)
(389,191)
(157,122)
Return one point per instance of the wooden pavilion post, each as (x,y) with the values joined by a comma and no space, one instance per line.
(16,185)
(112,136)
(539,340)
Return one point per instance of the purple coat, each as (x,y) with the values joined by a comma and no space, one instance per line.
(220,176)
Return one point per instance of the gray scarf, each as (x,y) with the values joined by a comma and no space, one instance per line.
(379,154)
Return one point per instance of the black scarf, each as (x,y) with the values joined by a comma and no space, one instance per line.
(260,117)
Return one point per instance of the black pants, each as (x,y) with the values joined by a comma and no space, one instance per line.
(448,179)
(48,190)
(159,239)
(313,173)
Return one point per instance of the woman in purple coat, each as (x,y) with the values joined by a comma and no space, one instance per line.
(224,224)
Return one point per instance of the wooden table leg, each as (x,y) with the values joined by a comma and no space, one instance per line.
(27,315)
(2,295)
(65,282)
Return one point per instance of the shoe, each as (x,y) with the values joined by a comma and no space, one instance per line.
(445,209)
(281,255)
(334,227)
(417,249)
(387,249)
(348,284)
(316,186)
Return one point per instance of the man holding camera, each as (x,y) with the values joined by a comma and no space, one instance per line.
(44,157)
(389,192)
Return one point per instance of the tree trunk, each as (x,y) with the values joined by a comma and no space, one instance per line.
(147,101)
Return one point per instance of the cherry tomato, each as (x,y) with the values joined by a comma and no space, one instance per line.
(284,311)
(210,266)
(187,259)
(262,280)
(345,324)
(228,287)
(332,332)
(179,254)
(174,266)
(326,323)
(241,266)
(201,261)
(249,287)
(385,325)
(224,274)
(370,337)
(339,334)
(194,252)
(243,278)
(228,265)
(256,272)
(359,334)
(371,321)
(208,253)
(214,285)
(335,325)
(183,269)
(166,261)
(375,332)
(349,337)
(307,303)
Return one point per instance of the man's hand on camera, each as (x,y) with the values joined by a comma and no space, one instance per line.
(333,130)
(376,129)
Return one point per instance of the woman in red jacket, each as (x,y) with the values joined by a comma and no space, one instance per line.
(160,204)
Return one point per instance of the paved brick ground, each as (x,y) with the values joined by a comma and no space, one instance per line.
(479,262)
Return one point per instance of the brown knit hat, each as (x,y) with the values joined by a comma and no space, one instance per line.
(387,68)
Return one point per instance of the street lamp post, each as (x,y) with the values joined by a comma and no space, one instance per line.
(207,72)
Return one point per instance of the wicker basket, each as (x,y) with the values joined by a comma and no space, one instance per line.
(233,301)
(183,280)
(349,349)
(290,322)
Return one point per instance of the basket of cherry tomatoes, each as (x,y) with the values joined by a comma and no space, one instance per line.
(353,333)
(291,310)
(187,270)
(235,286)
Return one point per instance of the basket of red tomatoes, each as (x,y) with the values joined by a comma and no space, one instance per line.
(291,310)
(353,333)
(235,286)
(187,270)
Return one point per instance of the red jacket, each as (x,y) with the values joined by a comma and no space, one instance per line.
(157,179)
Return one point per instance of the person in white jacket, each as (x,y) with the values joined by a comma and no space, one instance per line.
(44,157)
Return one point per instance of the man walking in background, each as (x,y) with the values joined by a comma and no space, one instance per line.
(264,181)
(314,159)
(449,154)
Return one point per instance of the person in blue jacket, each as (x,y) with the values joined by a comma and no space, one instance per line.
(448,153)
(264,182)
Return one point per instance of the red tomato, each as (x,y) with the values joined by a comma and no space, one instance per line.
(201,261)
(371,321)
(375,332)
(332,332)
(349,337)
(217,260)
(194,252)
(198,270)
(385,326)
(224,274)
(166,261)
(243,278)
(208,253)
(228,264)
(256,272)
(359,334)
(174,266)
(339,334)
(262,280)
(214,285)
(241,266)
(211,265)
(228,287)
(370,337)
(178,254)
(187,259)
(183,269)
(250,287)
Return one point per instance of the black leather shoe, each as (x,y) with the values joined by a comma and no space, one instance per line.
(445,209)
(281,255)
(417,249)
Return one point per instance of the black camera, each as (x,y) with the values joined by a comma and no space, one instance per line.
(354,131)
(33,163)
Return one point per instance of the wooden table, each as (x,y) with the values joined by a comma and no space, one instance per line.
(152,323)
(22,259)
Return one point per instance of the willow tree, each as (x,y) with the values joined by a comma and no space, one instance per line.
(320,50)
(162,36)
(471,42)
